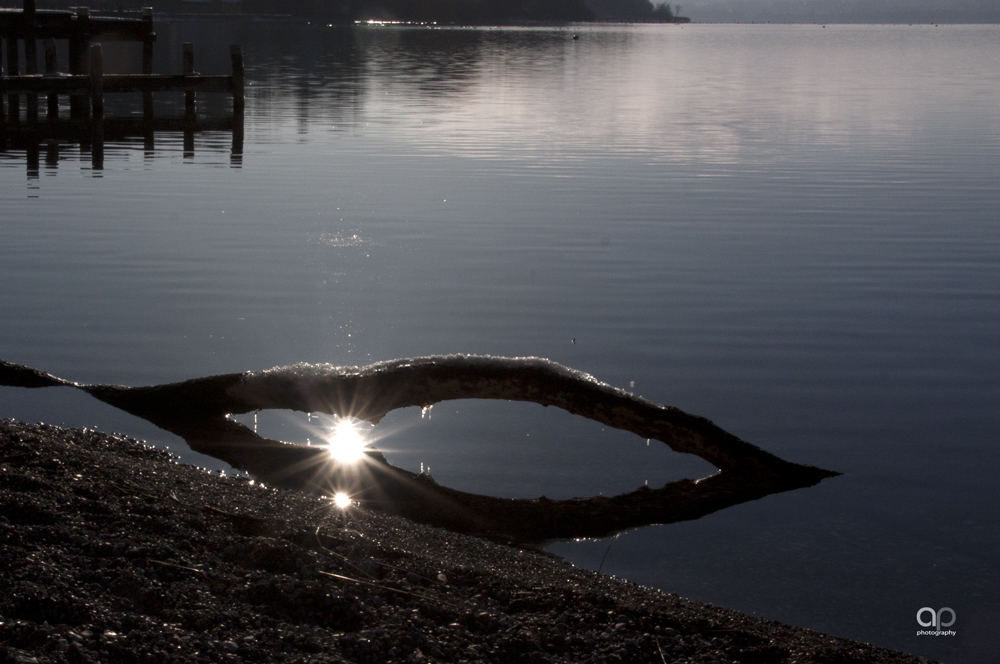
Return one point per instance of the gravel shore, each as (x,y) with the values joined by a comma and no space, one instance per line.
(112,552)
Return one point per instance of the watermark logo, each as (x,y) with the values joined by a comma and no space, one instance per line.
(928,617)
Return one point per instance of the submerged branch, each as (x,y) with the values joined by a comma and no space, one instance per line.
(198,410)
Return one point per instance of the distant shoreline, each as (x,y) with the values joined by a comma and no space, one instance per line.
(432,12)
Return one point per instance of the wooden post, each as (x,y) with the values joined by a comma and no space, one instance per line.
(74,67)
(189,69)
(30,54)
(97,100)
(13,100)
(29,37)
(50,70)
(30,58)
(189,113)
(236,52)
(3,115)
(78,60)
(97,81)
(74,62)
(147,62)
(239,90)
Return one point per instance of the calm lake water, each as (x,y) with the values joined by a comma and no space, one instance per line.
(791,230)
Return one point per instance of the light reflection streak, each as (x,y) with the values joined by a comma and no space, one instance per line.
(346,441)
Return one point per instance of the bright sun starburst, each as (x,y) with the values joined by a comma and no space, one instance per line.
(346,443)
(342,500)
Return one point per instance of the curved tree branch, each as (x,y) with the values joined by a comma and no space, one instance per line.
(198,411)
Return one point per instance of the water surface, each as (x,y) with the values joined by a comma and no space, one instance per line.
(787,229)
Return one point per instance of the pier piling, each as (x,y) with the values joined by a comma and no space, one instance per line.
(236,52)
(30,59)
(79,41)
(87,83)
(13,69)
(97,104)
(3,113)
(189,112)
(51,60)
(97,81)
(147,60)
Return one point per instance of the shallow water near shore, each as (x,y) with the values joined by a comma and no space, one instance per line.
(789,230)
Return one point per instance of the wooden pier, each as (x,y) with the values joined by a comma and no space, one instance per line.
(86,84)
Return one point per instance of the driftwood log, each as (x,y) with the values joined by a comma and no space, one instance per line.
(199,411)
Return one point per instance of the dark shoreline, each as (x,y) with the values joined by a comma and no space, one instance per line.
(112,552)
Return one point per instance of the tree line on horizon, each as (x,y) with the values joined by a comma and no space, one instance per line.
(463,12)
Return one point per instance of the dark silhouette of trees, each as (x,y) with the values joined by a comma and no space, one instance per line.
(632,10)
(460,12)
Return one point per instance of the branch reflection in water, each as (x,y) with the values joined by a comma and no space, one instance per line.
(201,411)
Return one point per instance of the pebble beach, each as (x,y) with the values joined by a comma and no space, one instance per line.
(111,551)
